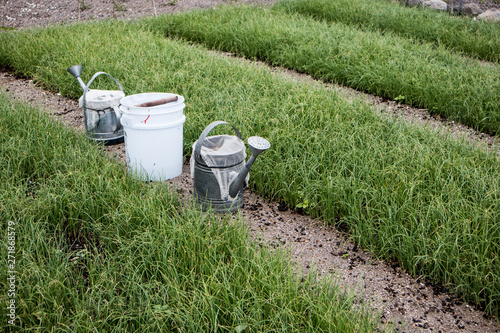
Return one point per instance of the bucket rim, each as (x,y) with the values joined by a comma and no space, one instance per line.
(132,109)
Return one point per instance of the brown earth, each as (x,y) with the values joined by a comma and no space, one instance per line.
(410,304)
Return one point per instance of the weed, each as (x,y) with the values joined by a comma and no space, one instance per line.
(399,98)
(83,5)
(119,7)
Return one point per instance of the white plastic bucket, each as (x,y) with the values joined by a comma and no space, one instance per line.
(153,136)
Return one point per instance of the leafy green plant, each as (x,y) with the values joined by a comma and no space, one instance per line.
(399,98)
(302,201)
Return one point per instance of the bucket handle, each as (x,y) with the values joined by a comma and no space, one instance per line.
(203,136)
(118,113)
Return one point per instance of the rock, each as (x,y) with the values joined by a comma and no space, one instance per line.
(414,2)
(471,9)
(492,15)
(457,6)
(435,4)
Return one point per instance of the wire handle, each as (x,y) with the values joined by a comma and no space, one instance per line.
(203,136)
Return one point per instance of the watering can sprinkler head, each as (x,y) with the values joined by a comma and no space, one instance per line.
(257,146)
(76,71)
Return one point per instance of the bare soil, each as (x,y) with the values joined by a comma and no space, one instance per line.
(410,304)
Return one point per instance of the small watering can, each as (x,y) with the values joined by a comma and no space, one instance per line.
(219,170)
(100,109)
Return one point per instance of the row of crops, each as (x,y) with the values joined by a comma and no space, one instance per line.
(384,62)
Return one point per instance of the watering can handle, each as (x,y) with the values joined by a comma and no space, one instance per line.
(203,136)
(92,80)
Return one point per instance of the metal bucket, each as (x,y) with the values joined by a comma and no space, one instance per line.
(101,112)
(100,109)
(217,160)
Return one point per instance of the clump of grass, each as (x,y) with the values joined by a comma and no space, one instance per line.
(462,34)
(384,65)
(406,193)
(147,263)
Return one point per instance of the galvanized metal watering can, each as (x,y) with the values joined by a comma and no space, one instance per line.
(100,109)
(219,169)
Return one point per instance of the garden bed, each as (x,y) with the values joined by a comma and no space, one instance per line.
(352,254)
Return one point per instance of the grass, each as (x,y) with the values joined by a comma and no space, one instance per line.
(461,34)
(384,65)
(144,262)
(406,193)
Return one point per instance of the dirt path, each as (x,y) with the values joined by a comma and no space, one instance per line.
(412,305)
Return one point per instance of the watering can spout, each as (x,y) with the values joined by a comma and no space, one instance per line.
(257,146)
(76,71)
